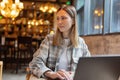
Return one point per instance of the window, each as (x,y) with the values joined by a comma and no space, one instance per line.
(115,16)
(81,21)
(99,17)
(93,17)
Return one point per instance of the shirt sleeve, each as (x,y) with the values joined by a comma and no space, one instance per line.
(38,64)
(86,51)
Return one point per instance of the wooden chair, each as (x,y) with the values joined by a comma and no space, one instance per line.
(3,52)
(10,43)
(32,77)
(1,69)
(24,51)
(36,43)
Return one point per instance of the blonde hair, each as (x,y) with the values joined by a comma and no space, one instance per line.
(58,38)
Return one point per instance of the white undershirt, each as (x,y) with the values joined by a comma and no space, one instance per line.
(63,61)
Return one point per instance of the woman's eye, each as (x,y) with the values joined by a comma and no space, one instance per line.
(62,18)
(57,18)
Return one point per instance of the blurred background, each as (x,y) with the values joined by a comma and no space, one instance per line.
(98,24)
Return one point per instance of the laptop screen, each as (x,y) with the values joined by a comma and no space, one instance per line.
(98,68)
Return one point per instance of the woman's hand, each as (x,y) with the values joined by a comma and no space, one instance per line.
(65,74)
(59,75)
(53,75)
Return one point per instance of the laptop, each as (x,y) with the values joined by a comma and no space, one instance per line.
(98,68)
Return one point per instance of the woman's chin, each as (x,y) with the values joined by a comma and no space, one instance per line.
(62,31)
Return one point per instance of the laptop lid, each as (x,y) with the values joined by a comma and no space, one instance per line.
(98,68)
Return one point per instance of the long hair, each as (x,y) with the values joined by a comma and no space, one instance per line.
(58,37)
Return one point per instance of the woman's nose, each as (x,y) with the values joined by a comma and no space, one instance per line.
(59,21)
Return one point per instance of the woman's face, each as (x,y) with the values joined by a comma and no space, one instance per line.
(64,21)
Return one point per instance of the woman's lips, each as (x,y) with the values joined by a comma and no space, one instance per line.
(61,26)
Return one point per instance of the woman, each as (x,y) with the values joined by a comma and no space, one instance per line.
(58,54)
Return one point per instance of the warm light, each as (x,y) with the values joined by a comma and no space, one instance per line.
(38,22)
(29,26)
(96,11)
(48,7)
(9,9)
(17,1)
(54,9)
(41,30)
(52,32)
(102,12)
(50,11)
(97,27)
(46,22)
(99,14)
(4,28)
(101,26)
(32,23)
(29,22)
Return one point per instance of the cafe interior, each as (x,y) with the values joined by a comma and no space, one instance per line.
(25,23)
(23,26)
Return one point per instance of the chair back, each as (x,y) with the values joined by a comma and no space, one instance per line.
(24,51)
(25,42)
(9,40)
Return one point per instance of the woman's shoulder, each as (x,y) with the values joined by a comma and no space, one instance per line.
(80,39)
(50,36)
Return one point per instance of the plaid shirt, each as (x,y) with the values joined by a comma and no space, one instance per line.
(47,56)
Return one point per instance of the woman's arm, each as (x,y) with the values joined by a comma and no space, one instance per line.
(85,49)
(59,75)
(38,64)
(86,52)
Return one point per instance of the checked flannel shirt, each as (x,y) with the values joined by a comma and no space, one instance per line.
(47,56)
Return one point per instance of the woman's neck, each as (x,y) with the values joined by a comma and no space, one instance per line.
(66,35)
